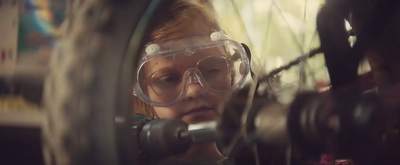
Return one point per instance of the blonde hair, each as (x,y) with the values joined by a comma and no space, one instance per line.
(180,12)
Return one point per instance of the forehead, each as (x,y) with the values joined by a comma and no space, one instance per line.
(181,60)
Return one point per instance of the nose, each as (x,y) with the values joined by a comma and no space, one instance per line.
(194,89)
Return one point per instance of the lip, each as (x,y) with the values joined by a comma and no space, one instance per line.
(197,111)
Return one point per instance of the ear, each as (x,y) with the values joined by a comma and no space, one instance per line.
(248,53)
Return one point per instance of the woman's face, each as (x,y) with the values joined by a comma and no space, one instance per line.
(197,105)
(170,76)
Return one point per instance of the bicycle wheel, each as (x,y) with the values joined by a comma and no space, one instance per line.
(342,56)
(87,91)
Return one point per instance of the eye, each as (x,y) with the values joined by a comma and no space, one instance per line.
(213,71)
(213,67)
(166,78)
(169,79)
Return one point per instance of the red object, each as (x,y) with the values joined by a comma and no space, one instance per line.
(326,159)
(3,56)
(367,80)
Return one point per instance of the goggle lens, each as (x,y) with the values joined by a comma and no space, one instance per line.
(167,84)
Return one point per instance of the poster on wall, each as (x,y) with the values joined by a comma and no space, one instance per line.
(39,21)
(28,30)
(38,26)
(9,17)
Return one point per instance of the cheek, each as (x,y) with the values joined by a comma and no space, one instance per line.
(222,99)
(151,94)
(166,112)
(218,100)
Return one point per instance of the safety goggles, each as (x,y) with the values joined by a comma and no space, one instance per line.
(168,67)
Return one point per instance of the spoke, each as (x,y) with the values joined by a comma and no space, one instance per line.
(303,35)
(256,154)
(297,42)
(247,109)
(263,52)
(242,24)
(254,62)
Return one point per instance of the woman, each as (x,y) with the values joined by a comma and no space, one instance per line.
(187,70)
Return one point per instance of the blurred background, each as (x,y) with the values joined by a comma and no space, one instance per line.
(277,32)
(28,30)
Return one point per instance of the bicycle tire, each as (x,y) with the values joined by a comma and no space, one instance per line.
(87,90)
